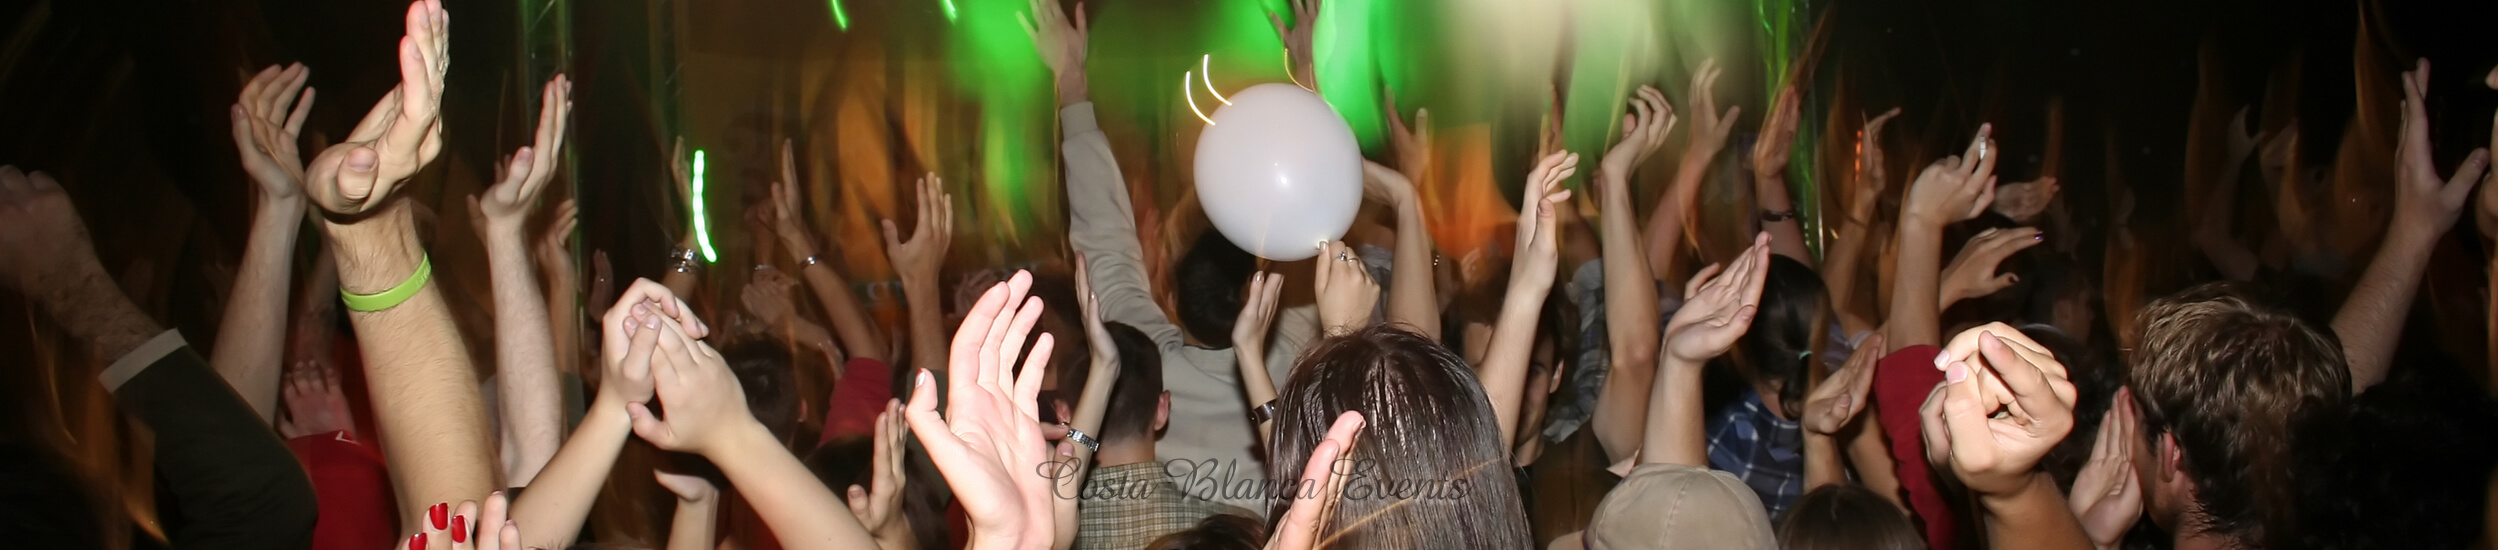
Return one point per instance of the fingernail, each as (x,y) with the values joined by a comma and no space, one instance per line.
(459,529)
(652,322)
(416,542)
(641,310)
(1957,373)
(922,380)
(362,160)
(2039,237)
(1847,403)
(1941,359)
(440,513)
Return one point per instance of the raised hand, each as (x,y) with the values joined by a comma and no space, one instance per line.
(1643,131)
(1257,314)
(2024,201)
(705,403)
(1413,142)
(46,247)
(1315,495)
(602,282)
(1346,295)
(767,297)
(1538,246)
(644,307)
(1836,401)
(314,404)
(2106,497)
(1061,43)
(1718,307)
(1990,368)
(1871,176)
(554,247)
(879,506)
(1096,335)
(506,205)
(1708,128)
(266,118)
(1385,185)
(988,441)
(1769,152)
(2426,205)
(1954,188)
(924,252)
(1972,274)
(401,134)
(1298,39)
(789,220)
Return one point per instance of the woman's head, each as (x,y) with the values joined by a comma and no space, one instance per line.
(1846,516)
(1428,471)
(1777,351)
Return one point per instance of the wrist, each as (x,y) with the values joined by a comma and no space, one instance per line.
(2032,486)
(1072,88)
(377,252)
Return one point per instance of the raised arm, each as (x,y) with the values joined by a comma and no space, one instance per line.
(1769,177)
(988,441)
(696,521)
(1631,318)
(526,379)
(563,285)
(1095,402)
(1835,405)
(1668,222)
(251,339)
(2212,175)
(2371,321)
(424,394)
(1717,309)
(918,260)
(1856,229)
(1101,220)
(1249,332)
(858,332)
(559,499)
(1992,368)
(1534,260)
(1950,190)
(684,261)
(1412,297)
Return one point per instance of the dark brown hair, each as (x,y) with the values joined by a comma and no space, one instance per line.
(2234,380)
(1428,470)
(1846,516)
(1216,532)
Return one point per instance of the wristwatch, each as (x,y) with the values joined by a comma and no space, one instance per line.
(1262,413)
(1090,444)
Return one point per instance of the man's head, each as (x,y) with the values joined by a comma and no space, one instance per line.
(1138,405)
(2222,386)
(1209,279)
(762,367)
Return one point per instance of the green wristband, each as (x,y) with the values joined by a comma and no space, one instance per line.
(387,299)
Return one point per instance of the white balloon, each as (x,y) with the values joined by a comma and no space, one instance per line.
(1279,173)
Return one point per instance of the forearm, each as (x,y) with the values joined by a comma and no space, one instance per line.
(1676,433)
(1872,459)
(681,283)
(2371,320)
(1255,382)
(1786,236)
(2034,517)
(1913,318)
(928,334)
(526,380)
(1667,223)
(563,304)
(251,339)
(1823,463)
(695,525)
(850,322)
(1088,418)
(801,515)
(1845,261)
(1631,329)
(424,392)
(559,499)
(1412,299)
(1504,368)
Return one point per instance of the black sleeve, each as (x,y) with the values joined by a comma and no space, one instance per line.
(233,482)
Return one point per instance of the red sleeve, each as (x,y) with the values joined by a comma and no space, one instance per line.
(1901,384)
(865,386)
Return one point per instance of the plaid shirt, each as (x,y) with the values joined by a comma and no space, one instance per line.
(1128,506)
(1765,451)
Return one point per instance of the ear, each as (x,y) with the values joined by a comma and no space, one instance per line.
(2172,459)
(1162,411)
(1060,405)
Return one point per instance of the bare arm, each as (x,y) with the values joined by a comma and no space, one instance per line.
(1720,310)
(1769,177)
(1095,402)
(1856,230)
(2426,206)
(251,338)
(696,522)
(1952,189)
(1631,317)
(850,321)
(1257,315)
(1532,269)
(526,377)
(1412,297)
(1668,222)
(559,499)
(563,287)
(918,261)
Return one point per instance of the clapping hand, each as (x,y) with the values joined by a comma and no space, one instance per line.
(1955,188)
(1061,42)
(1708,127)
(2106,497)
(644,307)
(919,257)
(1972,271)
(1836,401)
(401,134)
(879,506)
(1413,142)
(988,441)
(1315,495)
(1769,151)
(1991,368)
(1718,307)
(1298,39)
(1643,132)
(266,118)
(1871,179)
(1540,202)
(2425,204)
(506,206)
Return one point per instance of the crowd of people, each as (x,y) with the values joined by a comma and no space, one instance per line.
(1931,377)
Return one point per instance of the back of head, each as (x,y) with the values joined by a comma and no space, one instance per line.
(1429,470)
(1777,349)
(1847,516)
(763,371)
(1137,392)
(1209,279)
(2234,381)
(1216,532)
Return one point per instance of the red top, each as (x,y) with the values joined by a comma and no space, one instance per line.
(356,502)
(865,386)
(1901,384)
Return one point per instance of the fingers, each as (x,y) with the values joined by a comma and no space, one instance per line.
(1318,487)
(1692,287)
(2466,175)
(494,520)
(1860,381)
(2029,384)
(1938,439)
(1964,416)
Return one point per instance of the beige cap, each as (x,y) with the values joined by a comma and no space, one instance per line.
(1678,506)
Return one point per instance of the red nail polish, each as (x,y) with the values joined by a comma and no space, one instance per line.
(459,525)
(440,514)
(417,542)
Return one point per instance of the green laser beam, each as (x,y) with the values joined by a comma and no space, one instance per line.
(702,225)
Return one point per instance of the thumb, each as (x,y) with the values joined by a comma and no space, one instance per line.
(892,236)
(858,501)
(648,426)
(2467,174)
(1963,415)
(2003,281)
